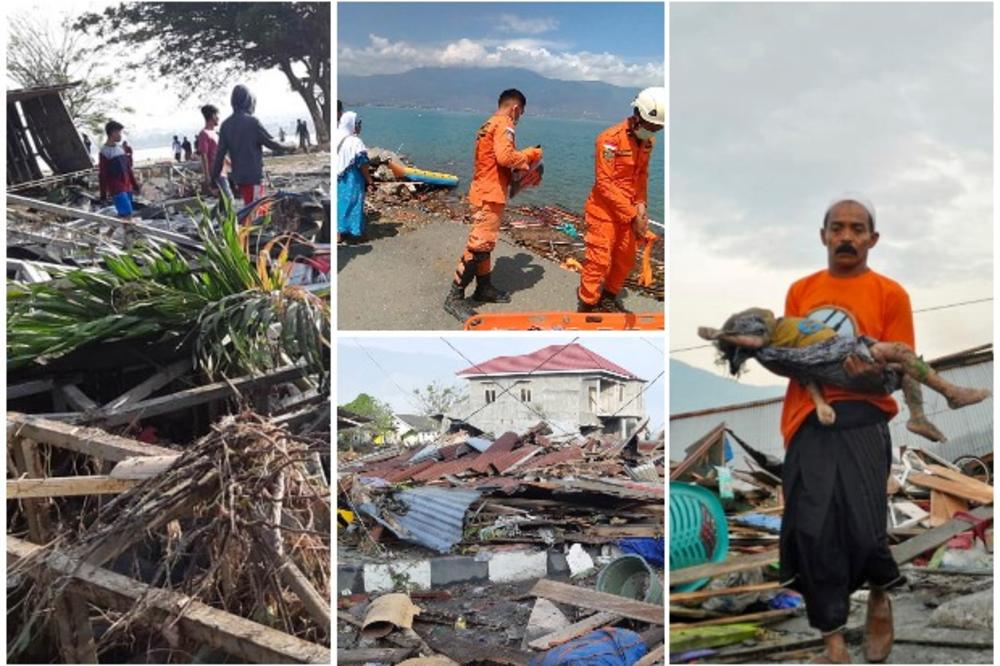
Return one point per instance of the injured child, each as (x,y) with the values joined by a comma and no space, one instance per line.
(814,354)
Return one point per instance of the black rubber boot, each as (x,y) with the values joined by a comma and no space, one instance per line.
(599,306)
(456,304)
(486,293)
(612,303)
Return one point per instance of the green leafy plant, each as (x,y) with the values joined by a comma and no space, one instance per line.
(240,312)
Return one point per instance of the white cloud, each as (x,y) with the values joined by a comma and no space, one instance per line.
(527,26)
(776,108)
(382,56)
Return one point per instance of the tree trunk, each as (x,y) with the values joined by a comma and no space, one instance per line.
(307,92)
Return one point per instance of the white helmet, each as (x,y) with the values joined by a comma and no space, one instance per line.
(652,105)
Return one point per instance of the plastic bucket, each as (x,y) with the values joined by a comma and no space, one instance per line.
(630,576)
(698,530)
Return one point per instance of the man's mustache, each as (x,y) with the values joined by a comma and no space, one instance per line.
(846,248)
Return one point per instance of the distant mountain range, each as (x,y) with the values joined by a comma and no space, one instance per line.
(477,88)
(692,389)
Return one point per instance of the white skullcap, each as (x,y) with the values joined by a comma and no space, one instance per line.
(857,198)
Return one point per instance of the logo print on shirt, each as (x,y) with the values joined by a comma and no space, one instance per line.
(836,318)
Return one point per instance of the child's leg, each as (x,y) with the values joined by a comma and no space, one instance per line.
(917,368)
(824,412)
(918,422)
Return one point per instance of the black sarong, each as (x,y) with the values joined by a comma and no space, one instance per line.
(833,531)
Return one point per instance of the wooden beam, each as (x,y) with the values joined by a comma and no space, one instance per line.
(909,549)
(66,486)
(77,399)
(73,213)
(760,616)
(723,591)
(733,564)
(150,385)
(91,441)
(653,657)
(196,396)
(237,636)
(582,597)
(964,490)
(595,621)
(373,655)
(33,387)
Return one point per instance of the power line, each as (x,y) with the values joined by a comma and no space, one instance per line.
(930,309)
(388,376)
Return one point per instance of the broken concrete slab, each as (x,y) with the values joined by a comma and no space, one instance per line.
(972,611)
(545,618)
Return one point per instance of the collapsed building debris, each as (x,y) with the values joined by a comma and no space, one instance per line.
(469,494)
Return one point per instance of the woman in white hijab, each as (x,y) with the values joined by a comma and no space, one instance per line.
(352,177)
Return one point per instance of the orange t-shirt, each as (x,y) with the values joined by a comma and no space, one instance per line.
(495,157)
(868,304)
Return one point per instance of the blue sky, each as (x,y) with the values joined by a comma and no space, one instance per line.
(409,363)
(619,43)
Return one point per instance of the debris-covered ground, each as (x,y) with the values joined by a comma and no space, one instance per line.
(509,548)
(168,396)
(729,607)
(419,230)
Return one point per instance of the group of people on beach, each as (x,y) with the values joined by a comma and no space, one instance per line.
(231,155)
(615,213)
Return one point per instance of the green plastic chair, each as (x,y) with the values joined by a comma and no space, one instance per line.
(699,533)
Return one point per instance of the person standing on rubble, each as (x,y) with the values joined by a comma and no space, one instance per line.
(186,147)
(242,138)
(177,148)
(114,171)
(833,531)
(302,129)
(615,212)
(353,177)
(495,159)
(207,142)
(87,144)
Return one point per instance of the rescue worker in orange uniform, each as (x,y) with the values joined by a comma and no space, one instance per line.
(496,157)
(615,213)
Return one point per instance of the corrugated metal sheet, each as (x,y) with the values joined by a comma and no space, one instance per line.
(564,455)
(435,517)
(969,430)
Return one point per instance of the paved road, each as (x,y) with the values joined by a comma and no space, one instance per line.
(399,282)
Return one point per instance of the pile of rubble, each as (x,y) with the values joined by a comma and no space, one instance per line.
(731,607)
(596,501)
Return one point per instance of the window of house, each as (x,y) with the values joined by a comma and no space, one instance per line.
(525,394)
(491,396)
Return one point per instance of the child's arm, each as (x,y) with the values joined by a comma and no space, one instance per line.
(220,158)
(102,175)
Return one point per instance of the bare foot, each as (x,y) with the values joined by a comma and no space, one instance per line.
(826,414)
(921,426)
(962,396)
(708,333)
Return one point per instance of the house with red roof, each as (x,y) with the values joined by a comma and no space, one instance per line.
(569,386)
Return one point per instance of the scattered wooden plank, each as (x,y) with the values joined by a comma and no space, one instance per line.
(955,488)
(142,467)
(585,598)
(944,506)
(733,564)
(908,550)
(653,657)
(195,396)
(760,616)
(574,630)
(64,486)
(723,591)
(373,655)
(237,636)
(73,213)
(91,441)
(696,638)
(77,399)
(958,477)
(33,387)
(150,385)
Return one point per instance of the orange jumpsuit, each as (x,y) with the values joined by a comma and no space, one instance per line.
(621,176)
(495,158)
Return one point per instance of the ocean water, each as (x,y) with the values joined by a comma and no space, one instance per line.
(444,140)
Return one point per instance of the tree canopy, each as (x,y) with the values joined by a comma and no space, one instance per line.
(438,398)
(206,45)
(379,412)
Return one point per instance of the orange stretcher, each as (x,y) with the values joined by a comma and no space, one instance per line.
(566,321)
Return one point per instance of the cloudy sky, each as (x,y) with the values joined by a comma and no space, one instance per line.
(162,105)
(403,364)
(618,43)
(778,108)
